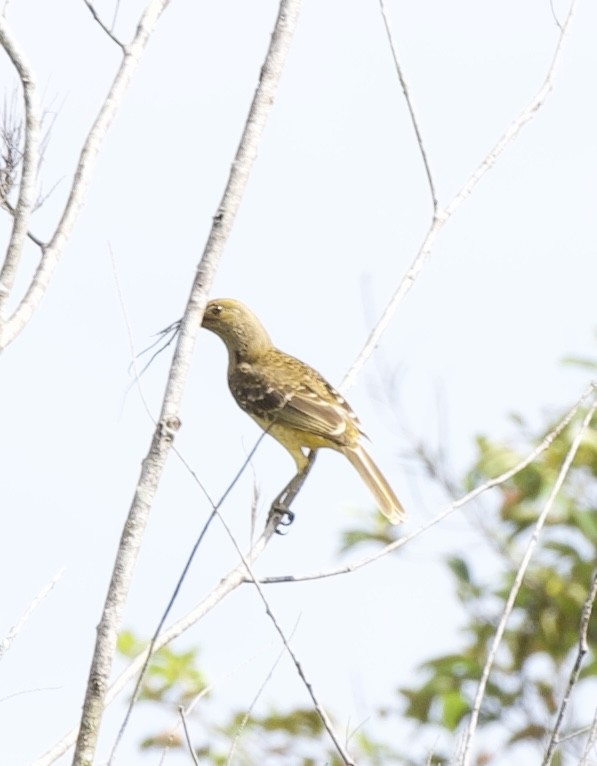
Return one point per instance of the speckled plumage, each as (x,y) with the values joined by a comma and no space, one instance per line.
(291,400)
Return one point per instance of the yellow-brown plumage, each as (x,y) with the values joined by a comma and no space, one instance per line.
(291,400)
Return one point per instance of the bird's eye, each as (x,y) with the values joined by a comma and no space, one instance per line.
(217,310)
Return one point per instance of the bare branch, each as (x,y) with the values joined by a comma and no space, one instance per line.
(464,758)
(155,460)
(83,173)
(410,105)
(7,641)
(583,648)
(443,215)
(106,29)
(490,484)
(30,162)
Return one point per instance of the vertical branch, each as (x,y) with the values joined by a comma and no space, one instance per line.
(31,156)
(155,460)
(464,758)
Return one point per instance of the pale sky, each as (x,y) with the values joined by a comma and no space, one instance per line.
(336,209)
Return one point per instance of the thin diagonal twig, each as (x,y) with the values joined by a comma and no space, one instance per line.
(583,648)
(242,725)
(106,29)
(410,106)
(7,641)
(591,742)
(187,735)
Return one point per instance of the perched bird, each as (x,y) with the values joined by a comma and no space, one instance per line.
(290,400)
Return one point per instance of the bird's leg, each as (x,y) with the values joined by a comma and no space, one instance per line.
(281,505)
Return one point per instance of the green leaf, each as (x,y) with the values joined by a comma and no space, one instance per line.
(454,708)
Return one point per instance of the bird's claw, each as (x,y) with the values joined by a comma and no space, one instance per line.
(286,517)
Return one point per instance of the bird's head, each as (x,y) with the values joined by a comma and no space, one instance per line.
(241,331)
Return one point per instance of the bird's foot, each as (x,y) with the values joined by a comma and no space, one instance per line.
(281,516)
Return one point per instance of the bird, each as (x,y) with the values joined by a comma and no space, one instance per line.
(292,401)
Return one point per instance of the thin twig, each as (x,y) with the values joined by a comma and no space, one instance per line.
(7,641)
(36,690)
(555,17)
(30,162)
(490,484)
(590,743)
(465,755)
(106,29)
(187,735)
(242,725)
(115,16)
(35,239)
(576,733)
(443,215)
(410,105)
(583,648)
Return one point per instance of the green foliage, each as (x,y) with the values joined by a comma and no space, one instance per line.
(542,635)
(371,528)
(171,676)
(173,680)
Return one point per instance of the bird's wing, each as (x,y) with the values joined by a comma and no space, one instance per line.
(307,410)
(299,398)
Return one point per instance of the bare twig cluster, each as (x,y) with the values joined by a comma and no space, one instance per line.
(12,323)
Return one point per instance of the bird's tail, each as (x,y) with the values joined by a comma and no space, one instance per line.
(387,501)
